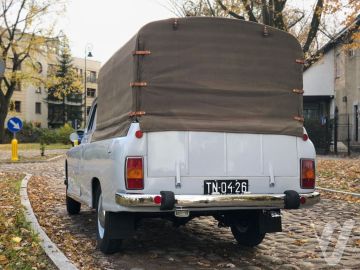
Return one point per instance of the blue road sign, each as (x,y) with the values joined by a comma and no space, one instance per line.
(14,124)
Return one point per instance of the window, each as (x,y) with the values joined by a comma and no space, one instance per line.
(38,107)
(17,106)
(91,76)
(88,108)
(38,90)
(91,92)
(18,86)
(351,52)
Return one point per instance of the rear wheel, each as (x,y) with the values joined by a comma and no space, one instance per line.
(105,243)
(247,232)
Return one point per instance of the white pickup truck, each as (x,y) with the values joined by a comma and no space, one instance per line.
(196,116)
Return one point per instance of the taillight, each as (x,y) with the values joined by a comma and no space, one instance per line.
(305,137)
(307,177)
(134,173)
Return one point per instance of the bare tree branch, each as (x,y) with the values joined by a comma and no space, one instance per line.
(279,6)
(314,25)
(248,8)
(296,21)
(231,13)
(211,8)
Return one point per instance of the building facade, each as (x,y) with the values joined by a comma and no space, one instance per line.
(32,103)
(332,86)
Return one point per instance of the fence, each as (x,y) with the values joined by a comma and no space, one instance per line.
(339,134)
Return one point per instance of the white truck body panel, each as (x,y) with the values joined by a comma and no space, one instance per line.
(181,161)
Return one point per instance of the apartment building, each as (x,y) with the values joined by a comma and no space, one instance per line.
(31,103)
(92,72)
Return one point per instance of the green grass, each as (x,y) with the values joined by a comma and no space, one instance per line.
(35,146)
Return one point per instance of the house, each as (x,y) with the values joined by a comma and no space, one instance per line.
(332,83)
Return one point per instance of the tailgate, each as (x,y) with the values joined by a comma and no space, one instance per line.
(213,154)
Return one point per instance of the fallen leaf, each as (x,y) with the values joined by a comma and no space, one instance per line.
(16,239)
(3,260)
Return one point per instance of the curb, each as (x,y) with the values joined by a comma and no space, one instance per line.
(339,191)
(32,161)
(50,248)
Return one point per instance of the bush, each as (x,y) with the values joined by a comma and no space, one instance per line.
(48,136)
(63,134)
(31,134)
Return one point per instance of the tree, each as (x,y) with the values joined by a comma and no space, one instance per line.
(311,22)
(26,31)
(65,85)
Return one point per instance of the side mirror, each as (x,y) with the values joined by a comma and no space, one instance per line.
(74,138)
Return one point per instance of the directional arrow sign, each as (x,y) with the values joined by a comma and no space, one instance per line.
(14,124)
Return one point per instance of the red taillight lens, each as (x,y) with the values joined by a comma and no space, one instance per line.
(307,173)
(134,173)
(305,137)
(139,134)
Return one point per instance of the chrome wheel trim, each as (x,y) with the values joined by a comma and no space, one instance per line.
(101,218)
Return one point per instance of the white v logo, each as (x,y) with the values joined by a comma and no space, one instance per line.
(344,235)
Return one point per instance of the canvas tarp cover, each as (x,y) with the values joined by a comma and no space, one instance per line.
(203,74)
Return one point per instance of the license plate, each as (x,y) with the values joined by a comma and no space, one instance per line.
(221,187)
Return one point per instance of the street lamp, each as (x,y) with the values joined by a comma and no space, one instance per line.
(88,49)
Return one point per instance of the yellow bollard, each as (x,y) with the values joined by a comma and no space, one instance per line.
(14,150)
(76,142)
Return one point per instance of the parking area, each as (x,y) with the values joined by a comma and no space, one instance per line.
(198,245)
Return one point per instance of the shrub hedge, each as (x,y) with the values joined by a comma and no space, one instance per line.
(32,134)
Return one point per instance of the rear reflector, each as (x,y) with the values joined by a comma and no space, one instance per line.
(307,177)
(138,134)
(157,199)
(305,137)
(134,173)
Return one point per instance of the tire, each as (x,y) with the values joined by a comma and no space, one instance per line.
(103,232)
(247,233)
(73,207)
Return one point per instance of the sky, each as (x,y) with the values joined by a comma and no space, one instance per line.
(108,24)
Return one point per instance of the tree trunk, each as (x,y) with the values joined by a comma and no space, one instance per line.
(3,113)
(64,111)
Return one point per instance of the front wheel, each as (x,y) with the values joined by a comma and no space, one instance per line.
(105,243)
(247,233)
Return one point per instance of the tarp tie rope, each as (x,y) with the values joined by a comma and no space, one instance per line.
(139,113)
(298,91)
(138,84)
(299,118)
(141,52)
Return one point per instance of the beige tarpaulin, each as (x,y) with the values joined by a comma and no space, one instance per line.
(203,74)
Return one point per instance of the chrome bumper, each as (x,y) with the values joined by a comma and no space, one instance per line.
(246,201)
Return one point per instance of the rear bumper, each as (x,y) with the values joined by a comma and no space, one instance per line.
(203,202)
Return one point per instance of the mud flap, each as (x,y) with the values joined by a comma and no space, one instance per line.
(122,225)
(270,221)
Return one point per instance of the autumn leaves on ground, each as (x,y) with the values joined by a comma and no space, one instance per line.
(341,175)
(19,247)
